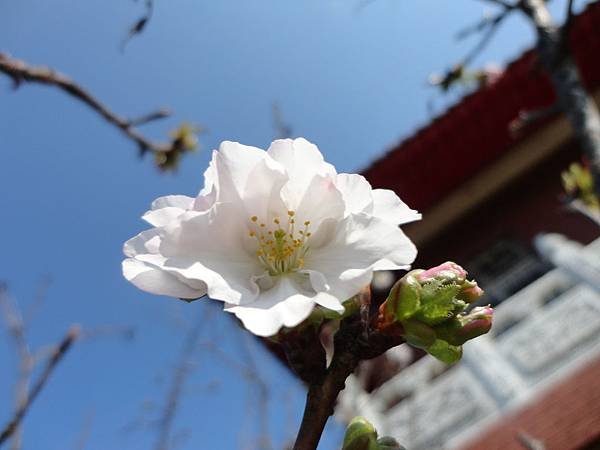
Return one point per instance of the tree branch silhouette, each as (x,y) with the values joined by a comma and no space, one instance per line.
(166,153)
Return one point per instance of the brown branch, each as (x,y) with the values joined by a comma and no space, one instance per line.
(492,27)
(356,340)
(167,153)
(58,354)
(16,327)
(178,382)
(503,3)
(140,25)
(577,105)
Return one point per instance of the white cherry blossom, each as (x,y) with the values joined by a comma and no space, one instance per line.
(272,234)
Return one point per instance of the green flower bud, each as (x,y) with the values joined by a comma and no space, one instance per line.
(418,334)
(445,352)
(360,435)
(388,443)
(403,299)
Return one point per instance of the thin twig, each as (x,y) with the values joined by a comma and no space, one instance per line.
(355,341)
(492,28)
(59,352)
(565,34)
(283,130)
(178,381)
(503,3)
(16,327)
(20,72)
(140,25)
(167,153)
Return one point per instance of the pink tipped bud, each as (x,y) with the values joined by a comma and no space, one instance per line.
(471,292)
(465,327)
(448,271)
(477,322)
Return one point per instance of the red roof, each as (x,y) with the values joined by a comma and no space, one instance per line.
(473,133)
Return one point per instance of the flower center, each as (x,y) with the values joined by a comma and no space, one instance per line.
(281,247)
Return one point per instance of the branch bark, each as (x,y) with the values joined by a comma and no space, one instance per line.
(58,354)
(357,339)
(575,102)
(19,71)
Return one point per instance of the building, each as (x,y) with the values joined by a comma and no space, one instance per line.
(485,194)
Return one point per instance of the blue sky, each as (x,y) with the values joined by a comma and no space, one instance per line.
(72,188)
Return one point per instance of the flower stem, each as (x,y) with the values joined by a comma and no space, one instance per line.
(320,401)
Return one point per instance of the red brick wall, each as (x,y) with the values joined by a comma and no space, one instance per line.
(567,417)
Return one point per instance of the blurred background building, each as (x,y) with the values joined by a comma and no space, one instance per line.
(535,379)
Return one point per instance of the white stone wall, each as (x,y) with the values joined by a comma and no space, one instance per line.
(540,335)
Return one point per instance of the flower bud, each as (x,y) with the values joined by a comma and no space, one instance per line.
(465,327)
(360,435)
(403,300)
(418,334)
(470,292)
(388,443)
(448,272)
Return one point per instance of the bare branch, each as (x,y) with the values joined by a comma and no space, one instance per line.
(20,72)
(180,375)
(484,23)
(492,28)
(16,327)
(565,34)
(503,3)
(140,25)
(58,354)
(150,117)
(576,103)
(283,129)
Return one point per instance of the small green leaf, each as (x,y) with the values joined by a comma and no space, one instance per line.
(437,302)
(445,352)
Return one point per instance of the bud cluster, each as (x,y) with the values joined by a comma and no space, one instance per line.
(361,435)
(429,308)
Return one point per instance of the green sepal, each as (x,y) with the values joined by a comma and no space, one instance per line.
(449,331)
(360,435)
(404,298)
(418,334)
(445,352)
(388,443)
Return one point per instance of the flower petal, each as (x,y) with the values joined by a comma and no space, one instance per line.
(282,305)
(302,161)
(233,164)
(318,283)
(151,279)
(355,247)
(320,201)
(208,246)
(388,206)
(165,209)
(175,201)
(356,191)
(146,242)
